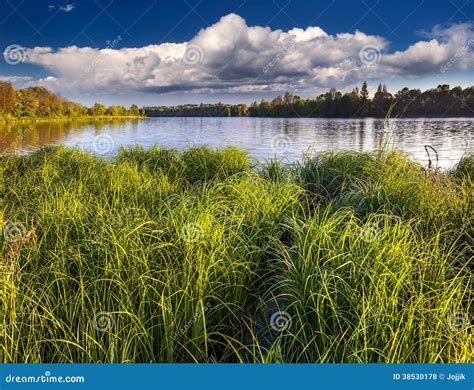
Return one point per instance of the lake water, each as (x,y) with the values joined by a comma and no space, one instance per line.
(264,138)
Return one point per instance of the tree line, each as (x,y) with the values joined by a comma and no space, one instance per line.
(441,101)
(38,102)
(202,110)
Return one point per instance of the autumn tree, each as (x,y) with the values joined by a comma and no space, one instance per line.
(7,98)
(98,110)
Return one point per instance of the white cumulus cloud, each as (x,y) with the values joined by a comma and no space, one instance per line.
(232,57)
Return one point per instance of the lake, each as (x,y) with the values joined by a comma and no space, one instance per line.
(264,138)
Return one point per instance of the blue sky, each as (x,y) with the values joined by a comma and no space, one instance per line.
(248,50)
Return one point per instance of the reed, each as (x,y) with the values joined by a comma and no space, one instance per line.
(204,255)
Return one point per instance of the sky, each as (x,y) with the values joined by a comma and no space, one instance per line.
(157,52)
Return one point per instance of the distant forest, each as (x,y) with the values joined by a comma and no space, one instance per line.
(38,102)
(442,101)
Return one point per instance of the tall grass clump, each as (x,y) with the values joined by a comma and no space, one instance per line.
(200,255)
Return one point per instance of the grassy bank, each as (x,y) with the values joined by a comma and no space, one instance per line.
(11,119)
(201,256)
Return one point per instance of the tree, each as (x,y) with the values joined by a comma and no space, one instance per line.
(379,94)
(44,100)
(364,92)
(288,98)
(253,110)
(29,103)
(406,103)
(98,110)
(7,98)
(116,111)
(264,108)
(134,111)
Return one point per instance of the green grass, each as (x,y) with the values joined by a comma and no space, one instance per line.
(203,255)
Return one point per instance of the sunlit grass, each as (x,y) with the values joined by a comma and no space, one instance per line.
(196,256)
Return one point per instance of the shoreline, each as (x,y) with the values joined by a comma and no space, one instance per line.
(82,118)
(318,117)
(28,119)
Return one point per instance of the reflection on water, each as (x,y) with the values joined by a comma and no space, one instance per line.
(24,136)
(285,138)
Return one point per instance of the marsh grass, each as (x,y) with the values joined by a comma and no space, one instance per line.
(183,256)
